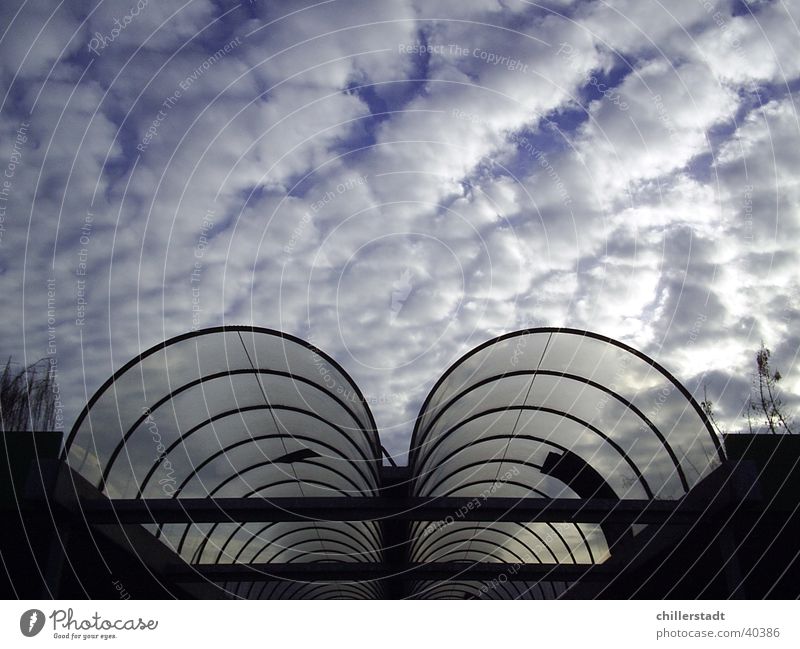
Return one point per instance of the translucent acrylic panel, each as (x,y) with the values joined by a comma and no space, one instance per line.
(428,545)
(497,478)
(284,354)
(175,420)
(652,392)
(226,541)
(533,434)
(209,479)
(256,424)
(237,590)
(193,539)
(189,455)
(108,420)
(586,542)
(205,480)
(240,430)
(690,452)
(656,457)
(639,450)
(364,535)
(612,416)
(505,542)
(478,441)
(289,542)
(287,392)
(184,538)
(497,394)
(474,441)
(155,376)
(281,487)
(240,543)
(351,442)
(308,478)
(349,476)
(240,391)
(512,465)
(284,542)
(516,480)
(619,472)
(522,452)
(124,403)
(533,542)
(578,398)
(511,354)
(341,474)
(300,547)
(685,431)
(202,355)
(188,410)
(557,432)
(562,542)
(474,477)
(304,428)
(478,548)
(601,361)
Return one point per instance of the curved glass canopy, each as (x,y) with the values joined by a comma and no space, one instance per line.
(551,413)
(245,412)
(236,412)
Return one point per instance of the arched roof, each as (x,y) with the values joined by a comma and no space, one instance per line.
(235,412)
(552,413)
(246,412)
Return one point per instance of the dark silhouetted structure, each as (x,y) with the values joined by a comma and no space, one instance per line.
(547,463)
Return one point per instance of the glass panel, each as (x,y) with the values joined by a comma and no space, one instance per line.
(497,394)
(510,543)
(608,430)
(283,354)
(509,355)
(129,407)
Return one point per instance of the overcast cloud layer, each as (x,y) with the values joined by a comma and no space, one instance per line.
(398,182)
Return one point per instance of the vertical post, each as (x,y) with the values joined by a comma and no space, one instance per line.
(51,534)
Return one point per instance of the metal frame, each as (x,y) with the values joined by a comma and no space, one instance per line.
(383,524)
(221,329)
(340,445)
(725,495)
(568,330)
(434,480)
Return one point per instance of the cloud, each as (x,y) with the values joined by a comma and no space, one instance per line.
(399,182)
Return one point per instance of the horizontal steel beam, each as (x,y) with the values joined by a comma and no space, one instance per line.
(345,572)
(207,510)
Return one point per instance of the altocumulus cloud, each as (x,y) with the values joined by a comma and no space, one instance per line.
(399,181)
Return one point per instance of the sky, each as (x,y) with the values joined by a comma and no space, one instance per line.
(398,182)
